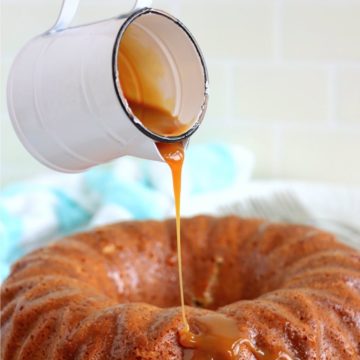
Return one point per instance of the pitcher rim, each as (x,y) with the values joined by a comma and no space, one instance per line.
(116,80)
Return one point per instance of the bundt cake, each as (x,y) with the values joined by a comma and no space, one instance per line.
(280,291)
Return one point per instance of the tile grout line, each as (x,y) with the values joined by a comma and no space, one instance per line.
(177,8)
(237,121)
(285,63)
(230,87)
(332,95)
(278,18)
(278,133)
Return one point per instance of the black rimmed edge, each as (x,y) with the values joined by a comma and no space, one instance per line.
(122,100)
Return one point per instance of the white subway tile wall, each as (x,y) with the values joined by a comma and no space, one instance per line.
(281,94)
(284,79)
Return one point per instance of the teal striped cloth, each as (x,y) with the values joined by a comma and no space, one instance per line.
(37,211)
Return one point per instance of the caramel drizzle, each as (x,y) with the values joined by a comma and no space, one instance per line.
(173,154)
(140,72)
(217,337)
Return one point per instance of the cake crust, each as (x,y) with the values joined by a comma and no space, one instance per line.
(112,293)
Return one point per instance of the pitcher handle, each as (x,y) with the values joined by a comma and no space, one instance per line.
(70,7)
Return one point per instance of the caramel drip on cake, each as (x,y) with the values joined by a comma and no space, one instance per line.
(217,337)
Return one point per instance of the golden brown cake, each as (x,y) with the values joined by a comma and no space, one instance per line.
(113,293)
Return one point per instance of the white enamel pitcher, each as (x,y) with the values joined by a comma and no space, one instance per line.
(65,99)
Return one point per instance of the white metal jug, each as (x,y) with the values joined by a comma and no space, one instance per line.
(65,98)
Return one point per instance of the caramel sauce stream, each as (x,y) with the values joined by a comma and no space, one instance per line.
(173,154)
(218,337)
(214,337)
(141,73)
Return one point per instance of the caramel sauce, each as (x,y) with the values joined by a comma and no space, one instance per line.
(173,154)
(157,120)
(144,76)
(142,73)
(215,337)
